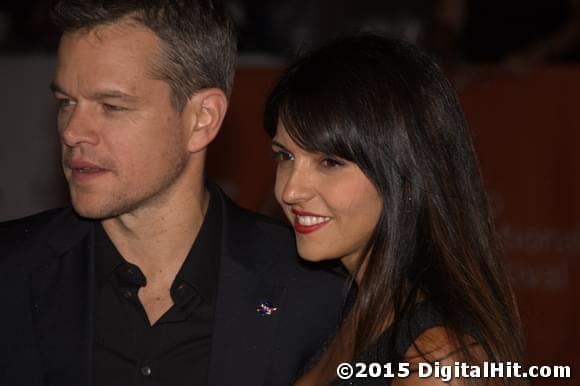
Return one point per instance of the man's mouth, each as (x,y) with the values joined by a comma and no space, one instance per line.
(87,170)
(82,166)
(84,171)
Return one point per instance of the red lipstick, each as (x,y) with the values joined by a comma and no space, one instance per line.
(304,229)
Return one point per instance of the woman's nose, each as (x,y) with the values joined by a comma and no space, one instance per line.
(297,187)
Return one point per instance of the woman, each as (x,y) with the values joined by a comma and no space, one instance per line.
(376,168)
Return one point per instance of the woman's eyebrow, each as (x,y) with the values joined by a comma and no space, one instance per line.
(278,144)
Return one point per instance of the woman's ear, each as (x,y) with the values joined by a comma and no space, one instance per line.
(204,114)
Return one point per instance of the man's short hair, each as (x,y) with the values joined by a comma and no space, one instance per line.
(198,48)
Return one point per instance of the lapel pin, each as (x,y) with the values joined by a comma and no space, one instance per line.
(266,309)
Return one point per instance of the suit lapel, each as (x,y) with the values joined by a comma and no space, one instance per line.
(244,339)
(62,305)
(62,302)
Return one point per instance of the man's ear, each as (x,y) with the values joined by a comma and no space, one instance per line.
(204,114)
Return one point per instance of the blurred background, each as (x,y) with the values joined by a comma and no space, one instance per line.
(515,66)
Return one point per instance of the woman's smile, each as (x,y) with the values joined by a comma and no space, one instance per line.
(305,222)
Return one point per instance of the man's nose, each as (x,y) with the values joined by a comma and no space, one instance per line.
(78,127)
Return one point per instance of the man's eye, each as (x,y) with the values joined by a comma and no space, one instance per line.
(113,108)
(332,163)
(63,103)
(280,155)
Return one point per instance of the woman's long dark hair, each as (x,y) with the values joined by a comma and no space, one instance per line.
(386,106)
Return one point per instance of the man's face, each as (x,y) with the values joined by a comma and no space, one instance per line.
(123,143)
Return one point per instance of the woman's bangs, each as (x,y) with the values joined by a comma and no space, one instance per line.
(317,125)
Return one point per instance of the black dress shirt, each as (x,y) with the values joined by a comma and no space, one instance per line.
(174,351)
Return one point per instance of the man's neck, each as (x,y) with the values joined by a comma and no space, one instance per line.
(158,238)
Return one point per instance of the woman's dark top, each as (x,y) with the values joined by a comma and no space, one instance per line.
(420,318)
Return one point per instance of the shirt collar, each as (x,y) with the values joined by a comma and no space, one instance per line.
(200,269)
(107,258)
(201,266)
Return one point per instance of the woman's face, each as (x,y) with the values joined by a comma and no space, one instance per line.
(332,205)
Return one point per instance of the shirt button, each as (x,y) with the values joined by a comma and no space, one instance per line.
(146,371)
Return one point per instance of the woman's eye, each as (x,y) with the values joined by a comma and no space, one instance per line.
(279,156)
(332,163)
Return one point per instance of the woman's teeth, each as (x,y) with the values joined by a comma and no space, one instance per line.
(311,220)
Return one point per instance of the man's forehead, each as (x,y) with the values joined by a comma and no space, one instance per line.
(114,44)
(125,32)
(113,56)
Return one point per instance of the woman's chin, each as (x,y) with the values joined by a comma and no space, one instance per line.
(314,257)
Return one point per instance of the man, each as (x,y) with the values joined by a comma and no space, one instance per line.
(153,277)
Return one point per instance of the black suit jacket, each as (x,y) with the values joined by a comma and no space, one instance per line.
(47,292)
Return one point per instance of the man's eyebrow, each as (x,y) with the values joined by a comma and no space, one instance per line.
(100,95)
(54,87)
(112,93)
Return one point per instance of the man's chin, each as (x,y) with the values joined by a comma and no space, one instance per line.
(93,212)
(88,213)
(92,205)
(99,209)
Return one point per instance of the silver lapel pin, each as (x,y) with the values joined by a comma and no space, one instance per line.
(266,309)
